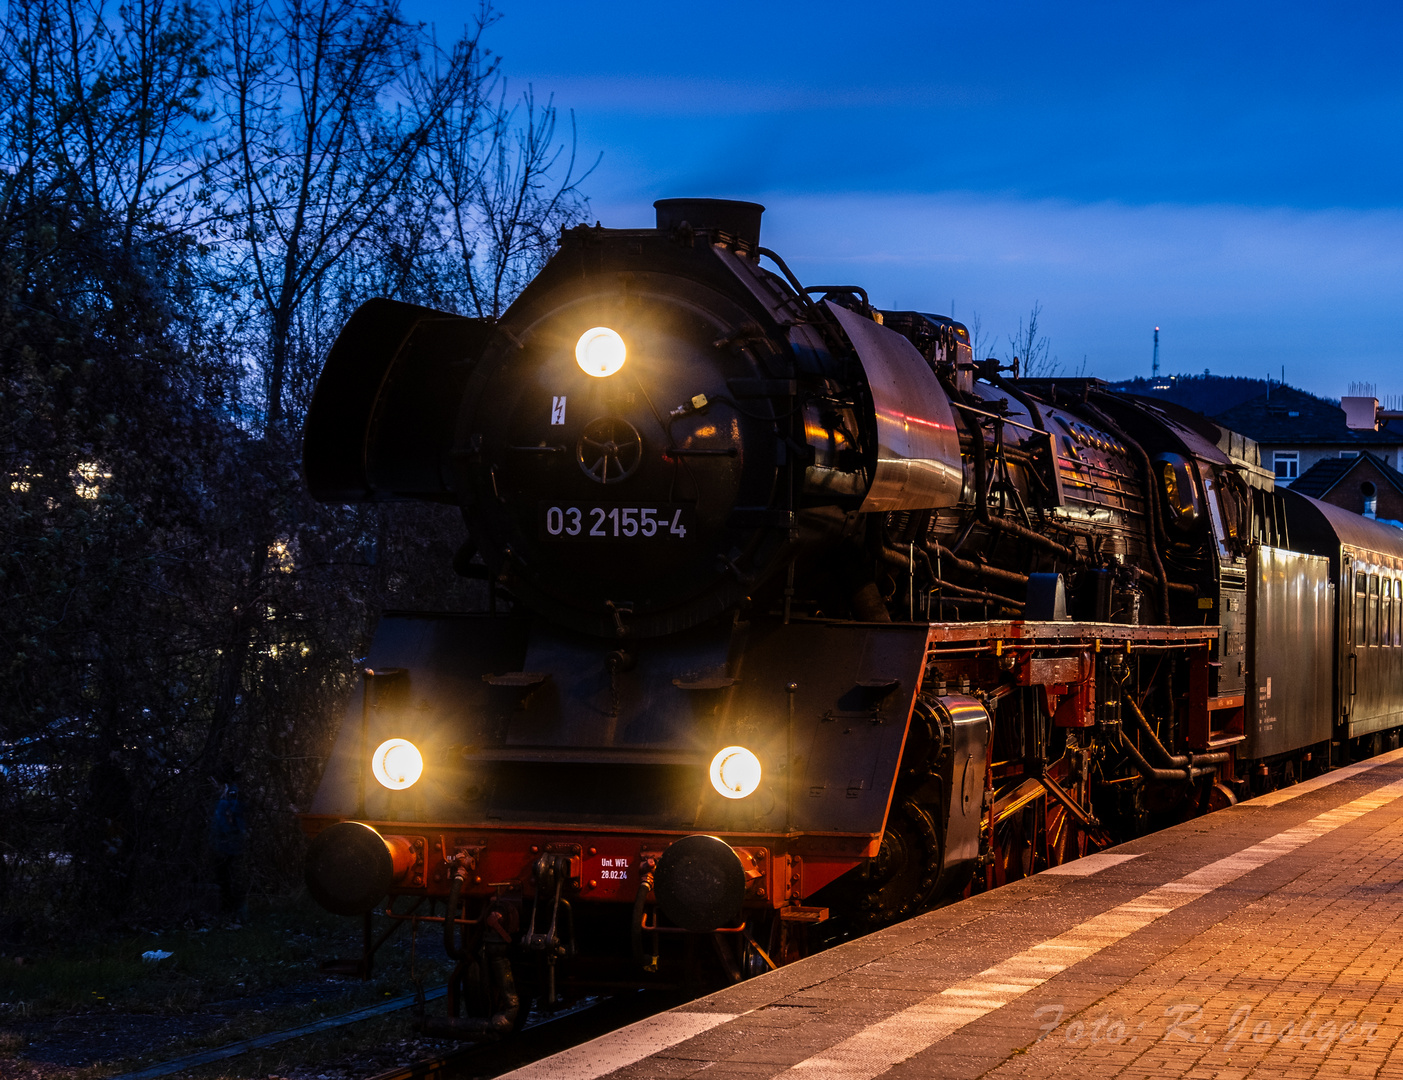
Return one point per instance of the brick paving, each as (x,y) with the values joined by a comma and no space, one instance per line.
(1286,968)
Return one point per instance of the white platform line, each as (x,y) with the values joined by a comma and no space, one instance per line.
(876,1049)
(1088,864)
(622,1047)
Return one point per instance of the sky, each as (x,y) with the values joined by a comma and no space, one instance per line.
(1229,172)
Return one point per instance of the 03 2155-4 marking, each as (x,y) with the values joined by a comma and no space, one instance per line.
(575,521)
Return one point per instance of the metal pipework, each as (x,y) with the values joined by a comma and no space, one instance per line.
(900,558)
(499,971)
(645,886)
(479,1028)
(1184,768)
(1185,775)
(1181,761)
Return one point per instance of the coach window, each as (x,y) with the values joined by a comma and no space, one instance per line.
(1373,609)
(1361,596)
(1386,615)
(1397,612)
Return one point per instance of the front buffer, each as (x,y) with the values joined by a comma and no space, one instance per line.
(573,815)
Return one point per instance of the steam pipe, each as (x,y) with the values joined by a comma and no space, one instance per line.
(450,916)
(1182,761)
(1036,538)
(900,558)
(1174,586)
(1186,775)
(970,567)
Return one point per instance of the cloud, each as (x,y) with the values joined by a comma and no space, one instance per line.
(1240,290)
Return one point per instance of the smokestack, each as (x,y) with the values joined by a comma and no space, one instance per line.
(739,219)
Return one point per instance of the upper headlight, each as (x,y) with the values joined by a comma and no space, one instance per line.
(397,764)
(735,772)
(600,352)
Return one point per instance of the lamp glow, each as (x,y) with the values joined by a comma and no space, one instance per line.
(600,352)
(397,764)
(735,772)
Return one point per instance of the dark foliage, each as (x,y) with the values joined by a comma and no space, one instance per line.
(175,612)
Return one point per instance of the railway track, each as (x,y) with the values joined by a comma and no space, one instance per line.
(540,1036)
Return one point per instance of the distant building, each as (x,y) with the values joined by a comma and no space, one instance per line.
(1362,483)
(1295,430)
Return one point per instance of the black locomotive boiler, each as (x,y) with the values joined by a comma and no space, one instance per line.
(802,619)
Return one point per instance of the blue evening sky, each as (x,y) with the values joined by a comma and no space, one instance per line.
(1230,172)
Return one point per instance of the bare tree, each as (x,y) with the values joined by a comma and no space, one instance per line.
(330,108)
(498,172)
(1030,347)
(105,110)
(978,339)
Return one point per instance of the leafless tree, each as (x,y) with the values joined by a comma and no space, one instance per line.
(105,110)
(329,107)
(508,187)
(1030,346)
(978,339)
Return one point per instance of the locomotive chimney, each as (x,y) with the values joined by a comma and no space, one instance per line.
(739,219)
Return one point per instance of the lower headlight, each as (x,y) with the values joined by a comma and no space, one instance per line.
(735,772)
(397,764)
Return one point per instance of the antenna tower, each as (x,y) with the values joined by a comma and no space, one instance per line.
(1154,372)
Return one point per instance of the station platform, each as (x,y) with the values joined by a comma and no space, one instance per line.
(1265,940)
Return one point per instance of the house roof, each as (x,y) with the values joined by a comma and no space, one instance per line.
(1289,417)
(1322,477)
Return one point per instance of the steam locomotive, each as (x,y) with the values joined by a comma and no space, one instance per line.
(802,619)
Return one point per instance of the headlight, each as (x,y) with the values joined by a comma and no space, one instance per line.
(600,352)
(397,764)
(735,772)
